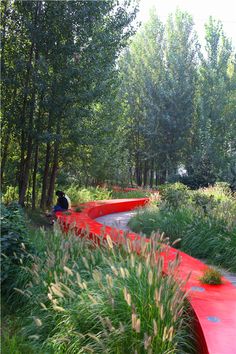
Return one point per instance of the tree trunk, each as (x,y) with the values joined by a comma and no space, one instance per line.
(5,151)
(34,176)
(25,175)
(45,177)
(151,173)
(24,162)
(145,173)
(5,13)
(53,176)
(22,155)
(162,176)
(54,168)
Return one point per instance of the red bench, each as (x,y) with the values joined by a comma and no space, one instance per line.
(214,306)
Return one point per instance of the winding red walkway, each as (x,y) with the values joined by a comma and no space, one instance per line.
(214,305)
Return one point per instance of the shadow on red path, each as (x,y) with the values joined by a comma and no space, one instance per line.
(214,306)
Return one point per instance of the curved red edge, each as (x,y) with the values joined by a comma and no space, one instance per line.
(214,306)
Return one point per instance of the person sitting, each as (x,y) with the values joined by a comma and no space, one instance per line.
(62,202)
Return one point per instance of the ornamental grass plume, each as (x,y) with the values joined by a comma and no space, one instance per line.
(104,299)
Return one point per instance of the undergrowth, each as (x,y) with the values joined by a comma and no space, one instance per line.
(204,220)
(130,194)
(82,299)
(83,195)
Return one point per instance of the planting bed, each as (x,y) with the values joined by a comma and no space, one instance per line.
(214,306)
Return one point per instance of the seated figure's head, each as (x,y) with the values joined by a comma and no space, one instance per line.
(60,193)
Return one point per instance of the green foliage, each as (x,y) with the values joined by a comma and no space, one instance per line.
(86,298)
(211,276)
(46,108)
(204,221)
(9,195)
(78,209)
(12,219)
(14,242)
(130,194)
(83,195)
(175,194)
(178,101)
(15,343)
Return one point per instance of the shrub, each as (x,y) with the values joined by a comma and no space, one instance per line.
(15,256)
(83,195)
(10,195)
(130,194)
(15,245)
(211,276)
(104,299)
(205,223)
(175,194)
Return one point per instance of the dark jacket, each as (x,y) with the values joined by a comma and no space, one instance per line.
(62,202)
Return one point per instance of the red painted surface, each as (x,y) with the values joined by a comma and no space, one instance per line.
(214,305)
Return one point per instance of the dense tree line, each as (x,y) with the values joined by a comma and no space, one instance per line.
(58,63)
(180,102)
(80,106)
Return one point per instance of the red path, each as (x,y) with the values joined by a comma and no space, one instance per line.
(214,305)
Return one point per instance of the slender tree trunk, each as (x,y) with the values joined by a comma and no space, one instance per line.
(24,161)
(53,175)
(23,112)
(156,178)
(130,176)
(162,176)
(34,176)
(24,182)
(3,36)
(145,173)
(45,176)
(54,168)
(5,151)
(138,170)
(27,162)
(35,170)
(151,173)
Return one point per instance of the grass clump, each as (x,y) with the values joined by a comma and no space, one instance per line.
(78,209)
(108,299)
(203,219)
(66,212)
(211,276)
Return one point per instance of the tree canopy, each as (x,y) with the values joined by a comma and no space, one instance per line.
(87,100)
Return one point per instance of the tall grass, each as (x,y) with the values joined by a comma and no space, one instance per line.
(205,220)
(83,299)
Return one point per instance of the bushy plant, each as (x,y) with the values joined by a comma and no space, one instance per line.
(211,276)
(89,299)
(205,222)
(130,194)
(15,246)
(175,194)
(83,195)
(10,195)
